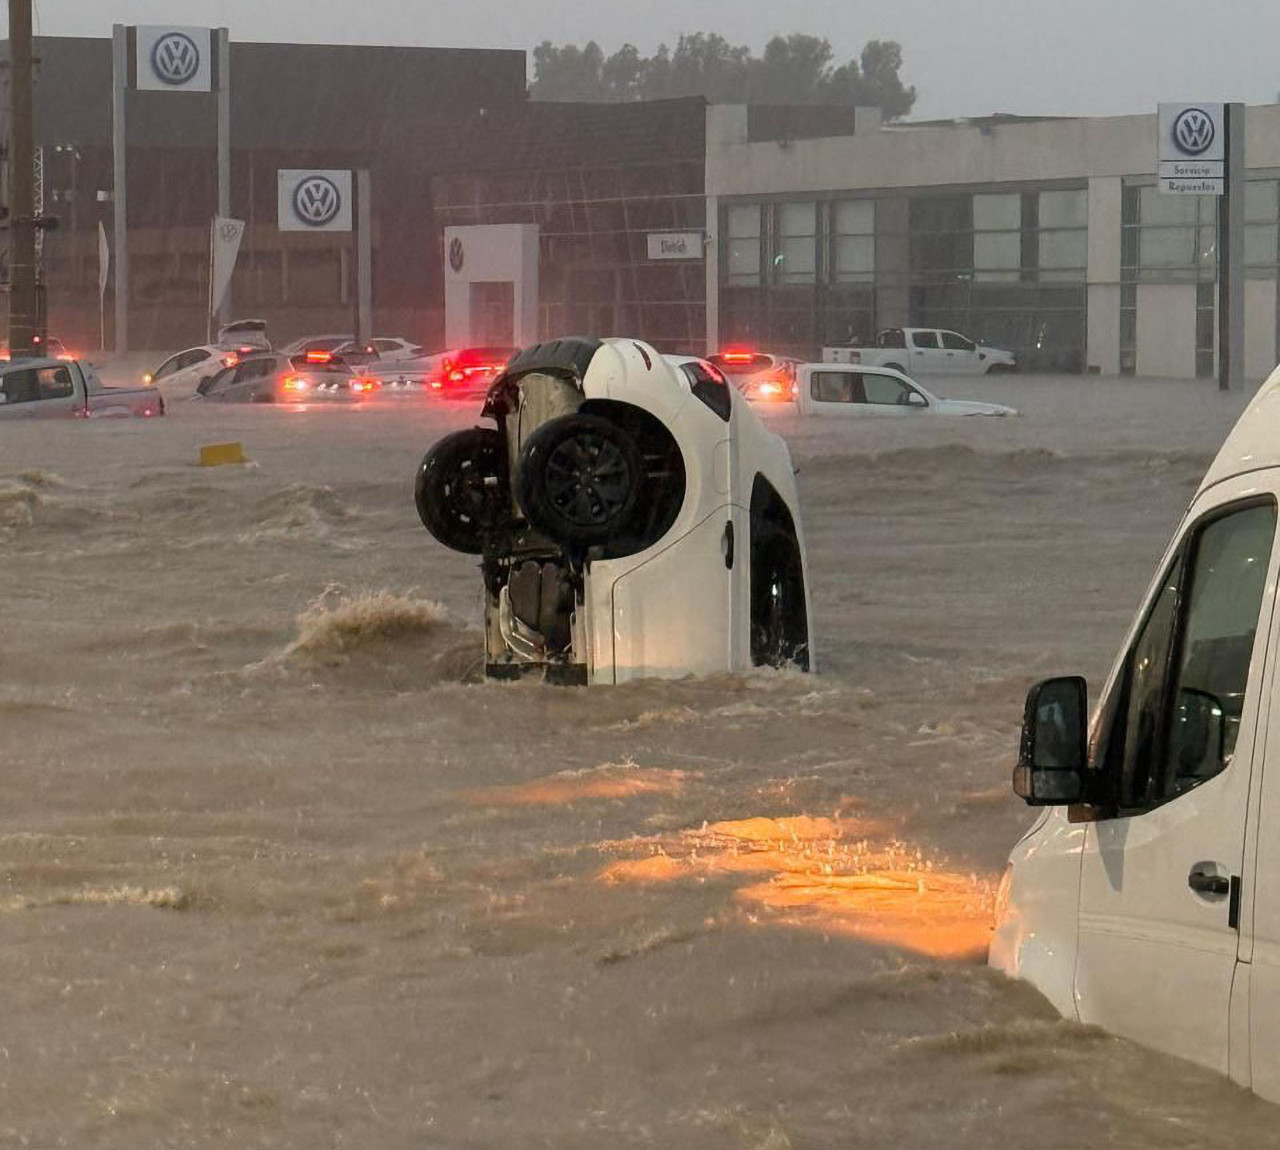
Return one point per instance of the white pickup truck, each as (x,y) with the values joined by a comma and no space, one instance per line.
(843,391)
(60,389)
(925,351)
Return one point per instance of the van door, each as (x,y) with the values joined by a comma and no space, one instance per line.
(1174,747)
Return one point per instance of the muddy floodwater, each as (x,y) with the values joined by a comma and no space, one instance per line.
(276,870)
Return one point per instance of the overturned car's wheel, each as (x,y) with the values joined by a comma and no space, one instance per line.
(461,490)
(579,479)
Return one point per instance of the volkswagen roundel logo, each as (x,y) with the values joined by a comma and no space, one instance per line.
(317,201)
(457,256)
(1193,131)
(175,59)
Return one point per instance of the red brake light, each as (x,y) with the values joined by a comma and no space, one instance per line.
(737,356)
(319,357)
(230,359)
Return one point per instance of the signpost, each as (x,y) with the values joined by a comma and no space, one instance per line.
(333,200)
(166,58)
(1201,153)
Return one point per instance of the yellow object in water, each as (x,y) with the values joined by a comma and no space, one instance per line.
(218,454)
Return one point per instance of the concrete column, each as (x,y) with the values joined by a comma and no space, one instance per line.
(1102,346)
(711,260)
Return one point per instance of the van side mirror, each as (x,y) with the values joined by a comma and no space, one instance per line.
(1053,752)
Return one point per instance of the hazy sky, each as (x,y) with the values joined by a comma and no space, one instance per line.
(1081,57)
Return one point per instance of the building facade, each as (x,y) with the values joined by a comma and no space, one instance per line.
(1046,236)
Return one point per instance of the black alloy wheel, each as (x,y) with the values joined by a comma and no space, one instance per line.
(461,490)
(579,479)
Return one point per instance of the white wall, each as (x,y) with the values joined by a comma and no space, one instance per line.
(492,253)
(1167,330)
(1259,328)
(900,156)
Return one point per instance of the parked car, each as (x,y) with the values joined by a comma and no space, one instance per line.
(307,343)
(273,377)
(1146,898)
(180,375)
(876,392)
(244,335)
(760,376)
(388,349)
(42,347)
(634,519)
(925,350)
(59,389)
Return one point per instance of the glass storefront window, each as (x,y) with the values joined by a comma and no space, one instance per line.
(1064,209)
(743,226)
(1065,251)
(997,255)
(797,258)
(994,213)
(853,225)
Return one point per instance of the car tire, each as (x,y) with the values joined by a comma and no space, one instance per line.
(779,616)
(579,479)
(461,490)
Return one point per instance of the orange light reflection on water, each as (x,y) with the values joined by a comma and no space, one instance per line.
(607,782)
(838,875)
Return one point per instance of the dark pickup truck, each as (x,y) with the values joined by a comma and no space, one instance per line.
(59,389)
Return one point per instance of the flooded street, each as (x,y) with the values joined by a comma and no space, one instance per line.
(280,871)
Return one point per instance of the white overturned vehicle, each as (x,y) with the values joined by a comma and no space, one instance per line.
(634,518)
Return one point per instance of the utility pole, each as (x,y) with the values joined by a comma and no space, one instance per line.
(23,308)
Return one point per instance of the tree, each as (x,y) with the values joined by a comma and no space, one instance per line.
(795,69)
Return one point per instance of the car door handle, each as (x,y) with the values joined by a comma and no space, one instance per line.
(726,545)
(1203,883)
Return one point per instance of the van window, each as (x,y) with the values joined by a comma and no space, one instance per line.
(924,338)
(1176,710)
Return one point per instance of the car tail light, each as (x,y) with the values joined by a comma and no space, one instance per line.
(365,383)
(294,383)
(230,359)
(147,379)
(769,389)
(319,357)
(737,356)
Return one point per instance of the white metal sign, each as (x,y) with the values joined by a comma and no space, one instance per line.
(1192,149)
(675,246)
(311,200)
(174,59)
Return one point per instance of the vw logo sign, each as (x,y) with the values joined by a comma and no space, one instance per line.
(1193,131)
(175,59)
(317,201)
(457,256)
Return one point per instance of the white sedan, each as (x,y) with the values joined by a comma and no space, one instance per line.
(832,389)
(180,374)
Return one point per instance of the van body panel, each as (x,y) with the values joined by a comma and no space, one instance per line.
(1035,935)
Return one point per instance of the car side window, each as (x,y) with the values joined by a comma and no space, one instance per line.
(381,345)
(1175,711)
(953,342)
(836,387)
(170,365)
(255,369)
(20,387)
(884,389)
(55,383)
(191,358)
(216,383)
(924,338)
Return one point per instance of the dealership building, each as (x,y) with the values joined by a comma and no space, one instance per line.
(497,219)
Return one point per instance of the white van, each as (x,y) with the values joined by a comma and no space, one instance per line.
(1146,899)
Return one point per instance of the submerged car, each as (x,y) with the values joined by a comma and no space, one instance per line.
(829,389)
(633,516)
(760,376)
(272,377)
